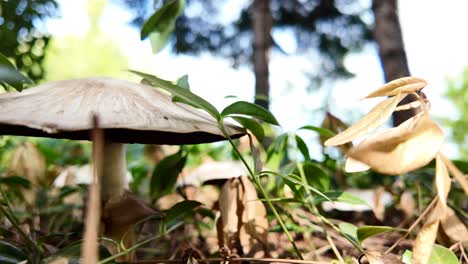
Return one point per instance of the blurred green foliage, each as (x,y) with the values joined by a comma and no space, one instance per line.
(23,34)
(458,94)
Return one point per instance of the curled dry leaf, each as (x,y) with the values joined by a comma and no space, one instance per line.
(374,119)
(243,216)
(375,257)
(398,150)
(454,228)
(353,165)
(442,181)
(401,85)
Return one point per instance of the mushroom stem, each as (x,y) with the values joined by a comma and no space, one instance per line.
(113,181)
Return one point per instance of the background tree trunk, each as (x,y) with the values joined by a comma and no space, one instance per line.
(387,33)
(262,23)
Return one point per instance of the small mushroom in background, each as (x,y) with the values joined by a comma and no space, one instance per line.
(128,113)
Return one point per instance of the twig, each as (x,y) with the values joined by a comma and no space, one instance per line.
(433,202)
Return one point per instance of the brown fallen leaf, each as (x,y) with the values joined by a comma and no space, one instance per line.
(374,119)
(411,145)
(401,85)
(454,228)
(255,223)
(243,216)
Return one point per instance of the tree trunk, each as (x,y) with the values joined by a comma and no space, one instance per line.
(387,33)
(262,23)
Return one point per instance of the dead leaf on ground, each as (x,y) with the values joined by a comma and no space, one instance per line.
(407,204)
(374,119)
(243,217)
(411,145)
(401,85)
(61,260)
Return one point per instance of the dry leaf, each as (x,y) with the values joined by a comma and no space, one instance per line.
(459,176)
(375,118)
(27,161)
(398,150)
(442,181)
(375,257)
(402,85)
(119,223)
(454,228)
(353,165)
(412,105)
(407,204)
(254,218)
(228,202)
(378,206)
(243,216)
(337,126)
(61,260)
(425,239)
(423,244)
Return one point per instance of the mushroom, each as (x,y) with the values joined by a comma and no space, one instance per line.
(128,113)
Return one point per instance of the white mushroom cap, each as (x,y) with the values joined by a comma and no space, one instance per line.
(129,112)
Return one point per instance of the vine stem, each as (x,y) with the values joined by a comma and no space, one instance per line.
(262,190)
(314,209)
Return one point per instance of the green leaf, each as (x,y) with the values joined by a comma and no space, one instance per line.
(185,95)
(316,176)
(320,130)
(163,18)
(439,255)
(159,40)
(10,75)
(183,82)
(349,230)
(15,181)
(10,253)
(165,174)
(180,209)
(364,232)
(249,109)
(296,180)
(344,197)
(302,146)
(252,125)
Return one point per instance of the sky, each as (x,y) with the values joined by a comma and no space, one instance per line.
(433,34)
